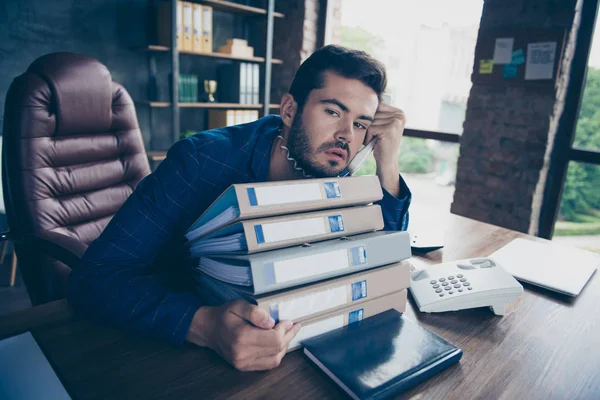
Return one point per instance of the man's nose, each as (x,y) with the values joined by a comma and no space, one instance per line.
(345,132)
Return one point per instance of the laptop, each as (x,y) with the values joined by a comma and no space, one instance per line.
(556,267)
(25,372)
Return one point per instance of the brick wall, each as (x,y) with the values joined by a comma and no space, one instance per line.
(295,38)
(508,131)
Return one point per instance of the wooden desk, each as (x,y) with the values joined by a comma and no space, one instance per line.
(546,346)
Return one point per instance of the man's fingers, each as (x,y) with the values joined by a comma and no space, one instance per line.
(384,121)
(267,343)
(289,333)
(253,314)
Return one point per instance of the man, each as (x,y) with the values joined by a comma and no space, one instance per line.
(134,274)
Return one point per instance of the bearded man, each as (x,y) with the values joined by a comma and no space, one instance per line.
(135,274)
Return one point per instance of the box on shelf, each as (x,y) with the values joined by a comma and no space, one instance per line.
(237,47)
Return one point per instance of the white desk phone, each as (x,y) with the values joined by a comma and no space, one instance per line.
(463,284)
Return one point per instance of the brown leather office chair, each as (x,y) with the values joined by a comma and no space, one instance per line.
(72,154)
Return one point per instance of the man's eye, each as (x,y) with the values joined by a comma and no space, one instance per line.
(359,126)
(332,112)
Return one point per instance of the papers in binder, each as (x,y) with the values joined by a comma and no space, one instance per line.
(224,218)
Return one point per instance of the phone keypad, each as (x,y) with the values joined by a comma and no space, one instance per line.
(450,284)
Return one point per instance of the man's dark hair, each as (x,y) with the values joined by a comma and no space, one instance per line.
(349,63)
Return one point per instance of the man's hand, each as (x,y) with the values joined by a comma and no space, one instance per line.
(243,334)
(388,127)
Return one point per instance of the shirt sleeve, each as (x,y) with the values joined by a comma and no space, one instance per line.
(114,279)
(395,209)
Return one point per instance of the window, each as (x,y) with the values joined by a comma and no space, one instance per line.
(578,217)
(428,49)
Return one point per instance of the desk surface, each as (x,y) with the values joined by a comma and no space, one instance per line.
(546,346)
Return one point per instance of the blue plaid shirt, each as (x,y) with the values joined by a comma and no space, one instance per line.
(134,275)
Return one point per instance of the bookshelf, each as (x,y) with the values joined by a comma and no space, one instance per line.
(162,104)
(214,55)
(153,50)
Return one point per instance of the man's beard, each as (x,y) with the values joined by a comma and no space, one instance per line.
(300,147)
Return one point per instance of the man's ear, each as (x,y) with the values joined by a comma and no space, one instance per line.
(288,109)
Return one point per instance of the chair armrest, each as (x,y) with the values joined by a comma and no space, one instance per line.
(61,247)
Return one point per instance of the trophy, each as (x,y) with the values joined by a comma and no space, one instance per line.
(210,87)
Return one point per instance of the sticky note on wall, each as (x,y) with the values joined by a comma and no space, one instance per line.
(510,71)
(486,66)
(518,57)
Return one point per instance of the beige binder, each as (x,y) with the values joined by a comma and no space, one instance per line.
(163,19)
(263,199)
(207,30)
(197,28)
(325,297)
(355,313)
(271,233)
(187,44)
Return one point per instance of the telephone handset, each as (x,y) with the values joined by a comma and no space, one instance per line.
(366,151)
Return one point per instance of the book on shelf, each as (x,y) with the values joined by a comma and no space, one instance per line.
(265,199)
(221,118)
(273,270)
(262,234)
(197,32)
(187,42)
(239,83)
(187,87)
(194,26)
(308,301)
(207,29)
(163,22)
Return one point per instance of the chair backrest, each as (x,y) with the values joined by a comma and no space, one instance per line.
(72,153)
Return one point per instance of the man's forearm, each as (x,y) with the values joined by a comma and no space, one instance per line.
(388,176)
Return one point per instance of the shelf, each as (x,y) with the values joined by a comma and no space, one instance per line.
(161,104)
(157,155)
(238,8)
(157,48)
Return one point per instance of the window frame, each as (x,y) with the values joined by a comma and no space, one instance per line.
(563,151)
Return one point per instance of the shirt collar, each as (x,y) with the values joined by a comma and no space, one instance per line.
(261,156)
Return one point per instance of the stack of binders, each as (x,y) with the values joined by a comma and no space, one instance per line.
(312,251)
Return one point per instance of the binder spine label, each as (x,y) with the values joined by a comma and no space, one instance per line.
(317,328)
(252,196)
(260,237)
(302,267)
(359,290)
(336,223)
(357,255)
(282,194)
(332,190)
(356,316)
(286,230)
(310,304)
